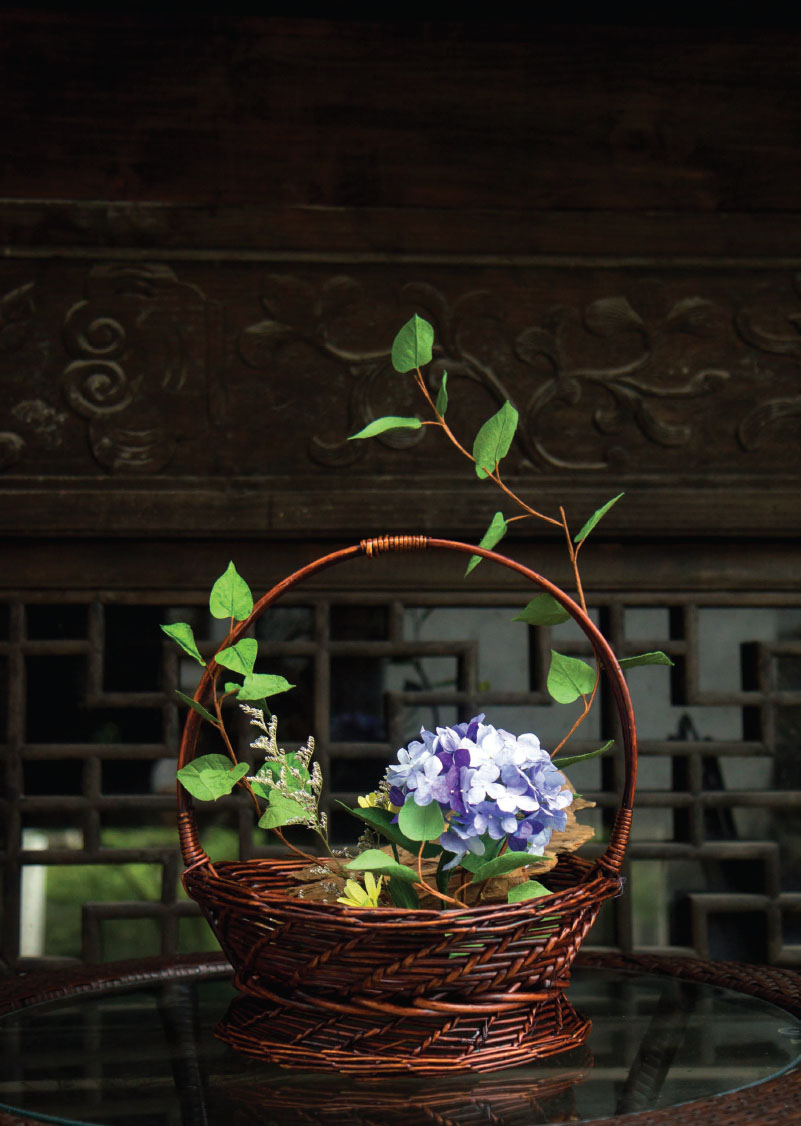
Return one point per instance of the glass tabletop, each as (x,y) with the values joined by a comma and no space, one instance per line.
(147,1055)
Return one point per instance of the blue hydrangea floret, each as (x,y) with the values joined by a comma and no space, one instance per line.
(488,783)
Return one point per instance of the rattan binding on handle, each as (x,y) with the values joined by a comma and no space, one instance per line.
(612,859)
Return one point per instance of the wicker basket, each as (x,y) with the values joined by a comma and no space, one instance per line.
(381,990)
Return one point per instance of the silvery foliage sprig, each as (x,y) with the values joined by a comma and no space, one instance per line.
(285,778)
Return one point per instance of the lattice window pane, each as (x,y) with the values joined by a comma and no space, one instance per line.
(93,726)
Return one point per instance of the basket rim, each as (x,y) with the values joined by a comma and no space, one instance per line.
(219,874)
(609,862)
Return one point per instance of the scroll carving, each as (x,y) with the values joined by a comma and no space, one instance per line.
(630,392)
(45,421)
(652,378)
(615,371)
(327,323)
(772,326)
(137,340)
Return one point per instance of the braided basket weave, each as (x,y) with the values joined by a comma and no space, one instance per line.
(369,990)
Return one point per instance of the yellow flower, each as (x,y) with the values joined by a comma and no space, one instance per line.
(379,800)
(358,896)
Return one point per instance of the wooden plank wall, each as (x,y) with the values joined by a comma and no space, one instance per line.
(213,227)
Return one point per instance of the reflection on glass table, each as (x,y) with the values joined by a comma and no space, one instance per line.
(141,1050)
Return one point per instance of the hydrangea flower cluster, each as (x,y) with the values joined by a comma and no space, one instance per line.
(487,782)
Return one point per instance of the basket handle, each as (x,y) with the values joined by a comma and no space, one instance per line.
(611,860)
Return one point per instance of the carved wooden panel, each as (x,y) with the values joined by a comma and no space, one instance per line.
(654,380)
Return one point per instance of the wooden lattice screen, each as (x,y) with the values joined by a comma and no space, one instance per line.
(93,729)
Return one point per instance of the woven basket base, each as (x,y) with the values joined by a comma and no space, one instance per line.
(425,1046)
(504,1099)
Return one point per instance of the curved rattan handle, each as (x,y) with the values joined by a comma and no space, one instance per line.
(612,858)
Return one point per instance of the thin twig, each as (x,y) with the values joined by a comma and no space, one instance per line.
(224,735)
(427,887)
(299,851)
(573,559)
(588,701)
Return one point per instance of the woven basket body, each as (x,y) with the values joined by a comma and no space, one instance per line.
(367,991)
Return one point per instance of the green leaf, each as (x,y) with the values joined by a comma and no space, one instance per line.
(201,711)
(442,396)
(282,811)
(182,633)
(503,864)
(381,820)
(240,657)
(421,822)
(543,610)
(390,422)
(657,657)
(258,686)
(593,520)
(230,596)
(563,763)
(471,861)
(494,439)
(442,877)
(412,347)
(531,889)
(569,678)
(270,773)
(494,534)
(211,776)
(402,894)
(374,860)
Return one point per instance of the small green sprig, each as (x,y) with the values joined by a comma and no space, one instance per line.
(285,781)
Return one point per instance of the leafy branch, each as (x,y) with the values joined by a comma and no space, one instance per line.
(412,350)
(285,782)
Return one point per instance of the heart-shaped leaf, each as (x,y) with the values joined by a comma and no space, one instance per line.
(531,889)
(182,633)
(211,776)
(282,811)
(569,678)
(413,346)
(421,822)
(230,596)
(543,610)
(374,860)
(240,657)
(258,686)
(494,439)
